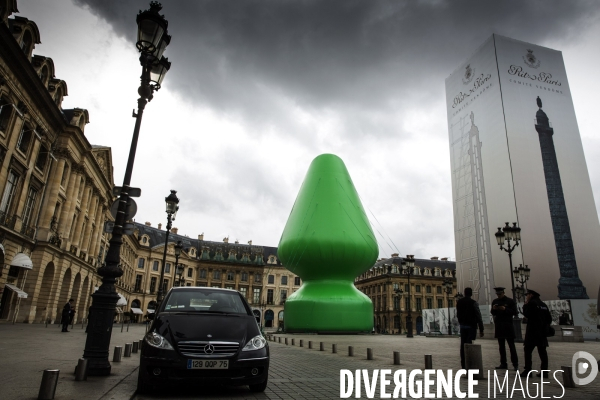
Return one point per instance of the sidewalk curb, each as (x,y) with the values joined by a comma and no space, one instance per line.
(125,389)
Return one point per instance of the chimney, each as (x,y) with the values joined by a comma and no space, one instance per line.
(159,226)
(434,258)
(201,236)
(225,240)
(395,254)
(174,231)
(148,223)
(445,259)
(250,242)
(237,242)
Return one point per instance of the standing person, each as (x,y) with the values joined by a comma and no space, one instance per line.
(504,309)
(469,318)
(66,315)
(538,319)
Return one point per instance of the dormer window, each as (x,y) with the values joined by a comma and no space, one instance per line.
(58,97)
(26,42)
(44,74)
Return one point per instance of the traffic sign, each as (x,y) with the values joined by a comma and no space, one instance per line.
(133,192)
(131,208)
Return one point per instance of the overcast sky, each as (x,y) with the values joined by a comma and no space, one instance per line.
(258,89)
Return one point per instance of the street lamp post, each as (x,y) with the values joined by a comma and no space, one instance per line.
(398,293)
(408,265)
(448,284)
(510,234)
(152,41)
(172,209)
(178,268)
(521,276)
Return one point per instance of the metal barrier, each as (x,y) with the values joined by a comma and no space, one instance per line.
(396,358)
(127,350)
(48,385)
(428,361)
(117,353)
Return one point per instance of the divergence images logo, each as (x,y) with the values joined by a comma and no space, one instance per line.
(469,74)
(531,60)
(582,367)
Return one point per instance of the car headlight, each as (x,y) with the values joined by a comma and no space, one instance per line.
(256,343)
(155,340)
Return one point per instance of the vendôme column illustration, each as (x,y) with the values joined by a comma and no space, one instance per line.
(328,242)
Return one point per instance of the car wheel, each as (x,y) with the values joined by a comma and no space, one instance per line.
(143,384)
(259,387)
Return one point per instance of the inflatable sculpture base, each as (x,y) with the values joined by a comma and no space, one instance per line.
(328,242)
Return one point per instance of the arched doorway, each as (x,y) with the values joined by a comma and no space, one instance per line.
(256,316)
(134,304)
(63,298)
(269,317)
(419,325)
(75,295)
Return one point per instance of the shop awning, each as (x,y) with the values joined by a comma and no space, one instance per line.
(136,311)
(122,300)
(18,291)
(151,311)
(22,261)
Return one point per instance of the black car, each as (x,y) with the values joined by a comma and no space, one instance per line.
(203,335)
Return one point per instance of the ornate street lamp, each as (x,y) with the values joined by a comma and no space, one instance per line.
(448,285)
(408,265)
(521,276)
(152,41)
(172,209)
(178,268)
(505,236)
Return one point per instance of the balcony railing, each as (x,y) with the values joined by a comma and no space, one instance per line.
(28,231)
(8,221)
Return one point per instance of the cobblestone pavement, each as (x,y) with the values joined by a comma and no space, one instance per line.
(303,373)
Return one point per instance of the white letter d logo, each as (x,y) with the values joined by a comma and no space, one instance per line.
(582,367)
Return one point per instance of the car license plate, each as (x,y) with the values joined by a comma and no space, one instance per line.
(208,364)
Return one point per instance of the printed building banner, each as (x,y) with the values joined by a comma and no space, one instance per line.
(516,156)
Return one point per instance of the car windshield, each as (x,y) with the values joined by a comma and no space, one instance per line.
(216,301)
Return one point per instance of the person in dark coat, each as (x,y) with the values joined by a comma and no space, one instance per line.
(538,319)
(504,309)
(469,318)
(66,315)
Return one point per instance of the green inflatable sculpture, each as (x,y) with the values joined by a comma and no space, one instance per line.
(328,242)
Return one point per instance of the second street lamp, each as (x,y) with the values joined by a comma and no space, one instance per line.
(172,208)
(448,283)
(398,294)
(408,265)
(178,268)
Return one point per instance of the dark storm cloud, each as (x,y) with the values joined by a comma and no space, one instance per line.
(242,57)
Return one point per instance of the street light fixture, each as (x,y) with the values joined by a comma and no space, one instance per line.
(152,41)
(178,268)
(505,236)
(448,285)
(408,265)
(521,276)
(172,209)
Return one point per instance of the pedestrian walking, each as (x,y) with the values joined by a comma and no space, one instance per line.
(66,315)
(538,319)
(504,309)
(469,318)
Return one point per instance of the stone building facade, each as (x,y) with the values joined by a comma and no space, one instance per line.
(426,291)
(56,187)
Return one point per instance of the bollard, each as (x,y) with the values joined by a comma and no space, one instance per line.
(350,351)
(334,348)
(286,341)
(369,354)
(292,342)
(396,358)
(134,349)
(428,361)
(310,344)
(82,370)
(568,376)
(321,346)
(474,359)
(301,343)
(279,340)
(117,353)
(127,350)
(140,346)
(48,386)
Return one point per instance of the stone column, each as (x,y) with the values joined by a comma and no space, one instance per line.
(77,239)
(93,211)
(52,196)
(97,235)
(66,214)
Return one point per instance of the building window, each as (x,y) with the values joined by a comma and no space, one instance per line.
(428,289)
(138,283)
(24,139)
(396,303)
(152,284)
(419,303)
(418,288)
(5,114)
(269,296)
(440,303)
(144,240)
(429,303)
(256,296)
(438,289)
(283,295)
(271,279)
(244,277)
(190,272)
(406,288)
(167,268)
(155,266)
(63,180)
(9,191)
(203,274)
(42,158)
(284,279)
(406,303)
(165,285)
(230,276)
(297,281)
(244,292)
(257,278)
(229,287)
(141,262)
(450,303)
(216,274)
(29,204)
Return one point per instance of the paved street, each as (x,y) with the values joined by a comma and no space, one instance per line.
(295,373)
